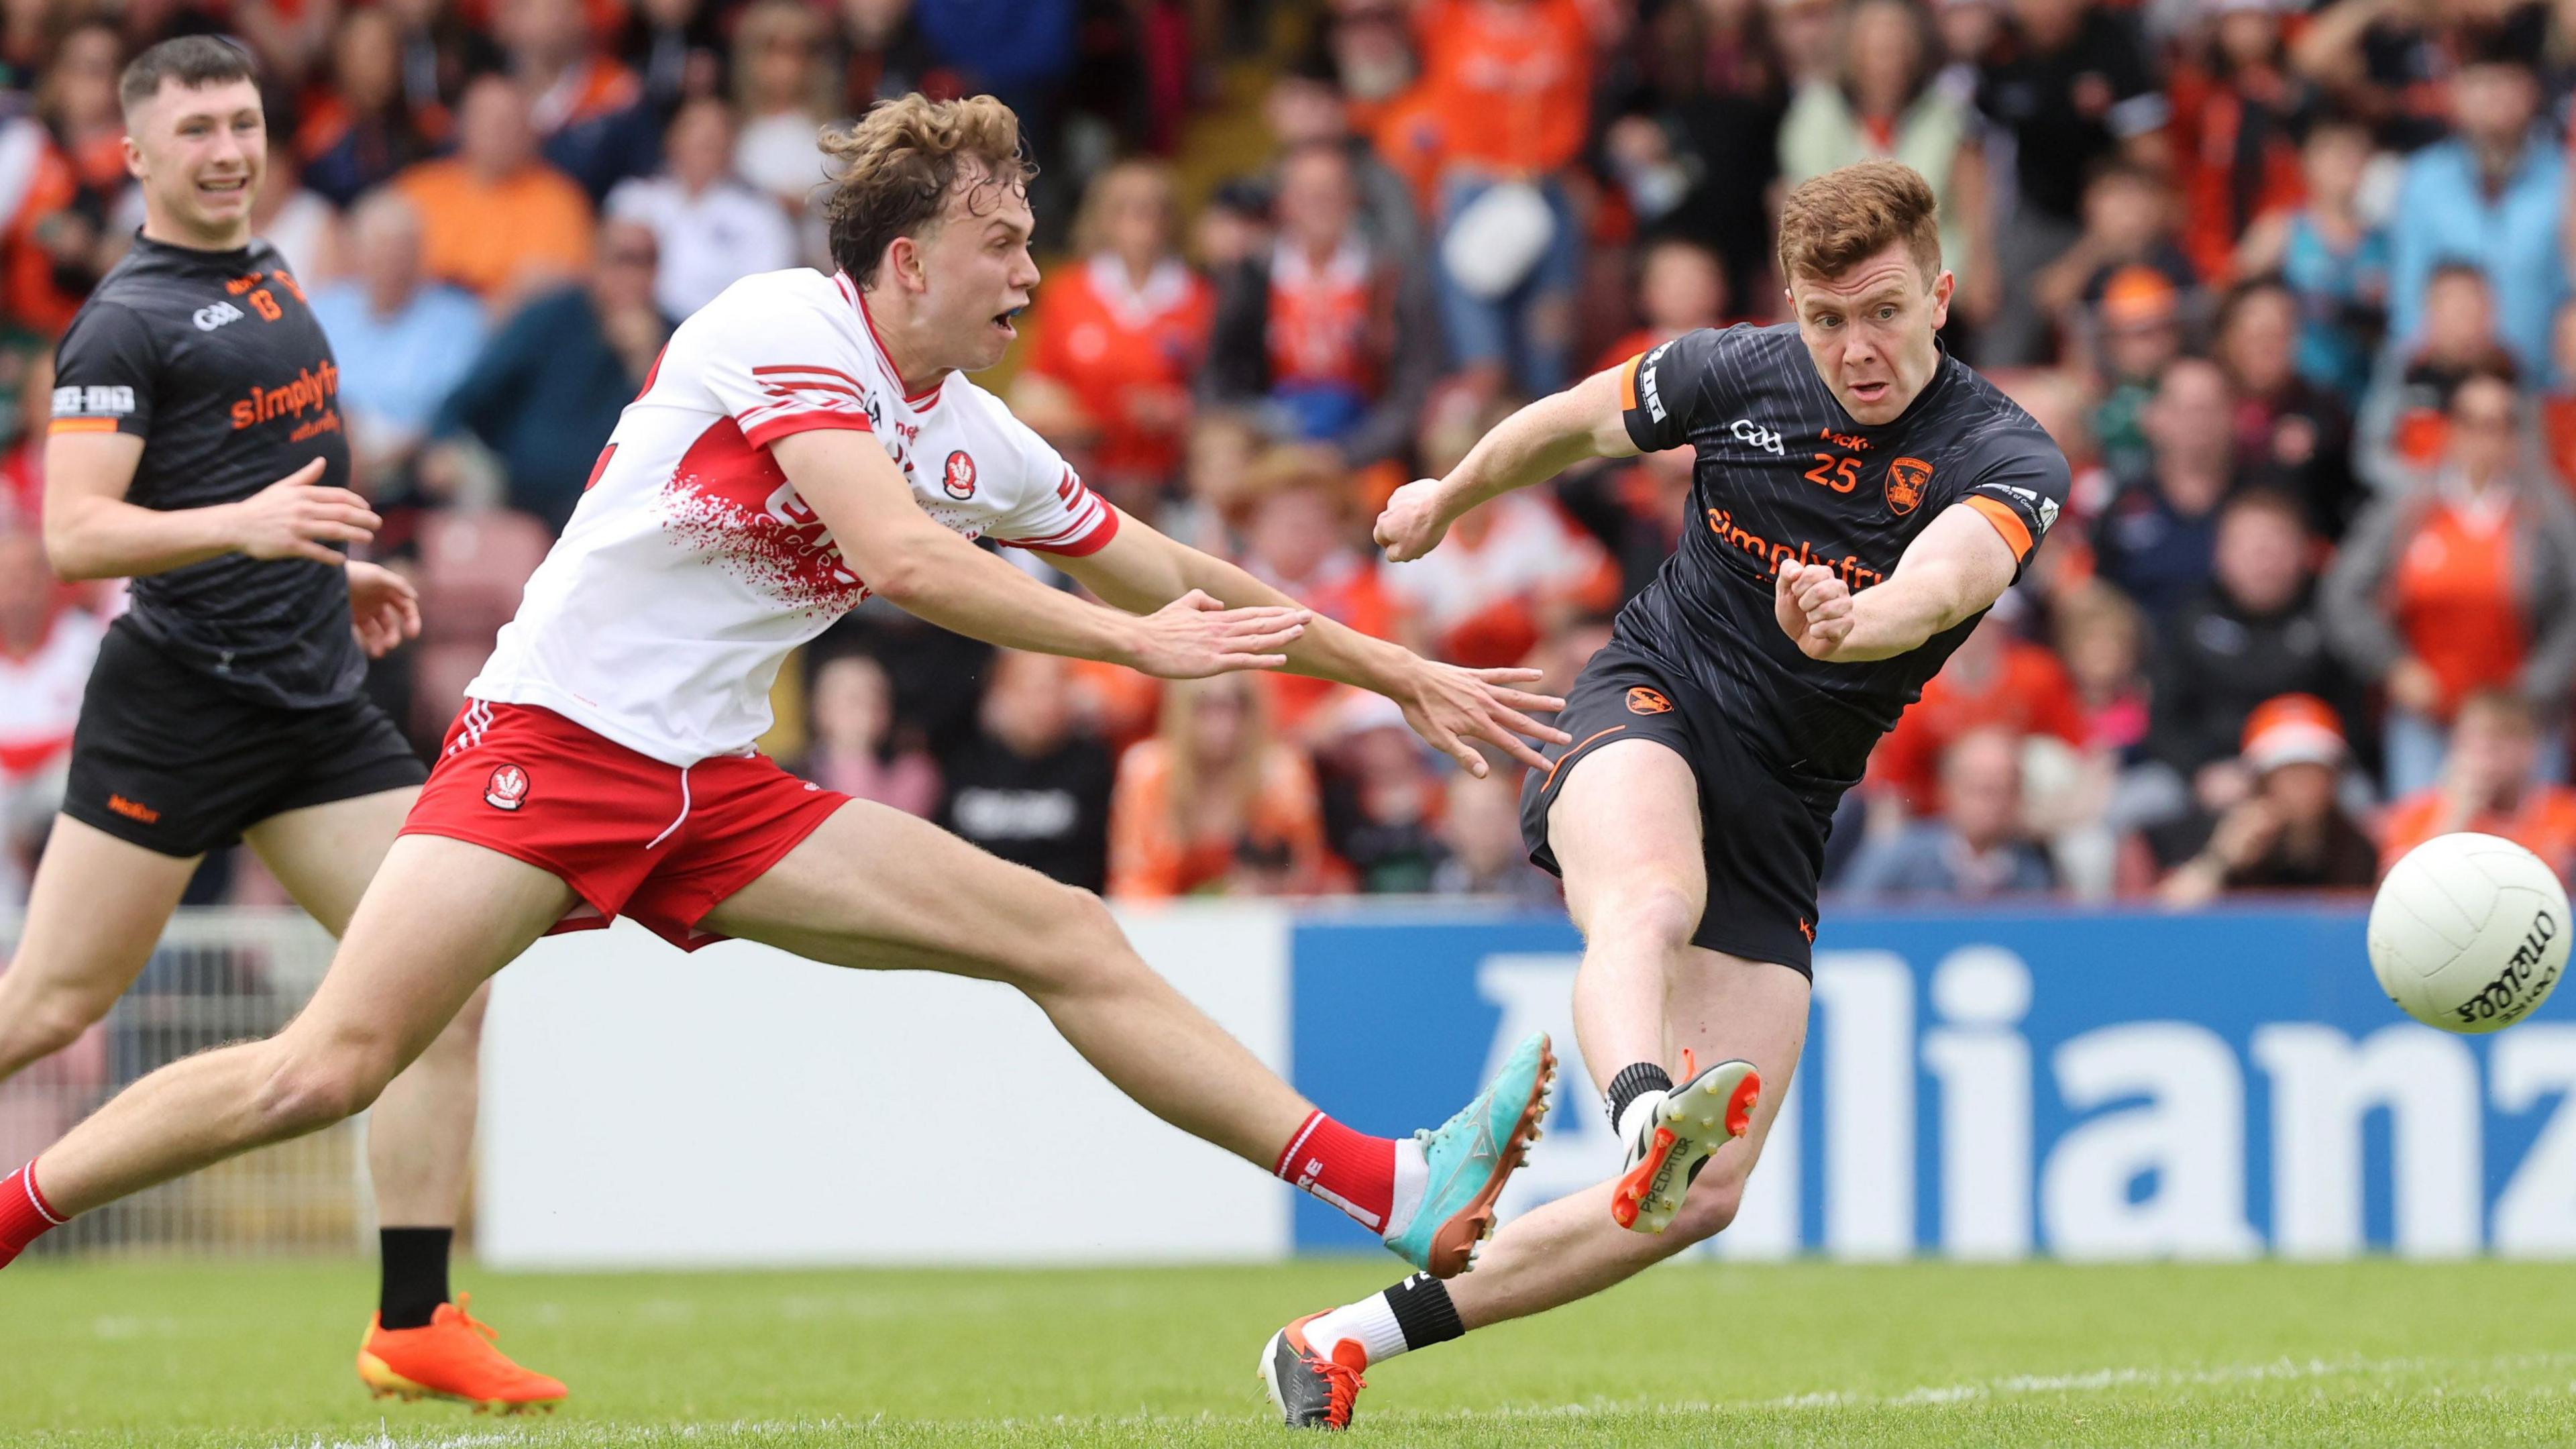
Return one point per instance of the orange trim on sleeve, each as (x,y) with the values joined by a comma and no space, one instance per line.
(1628,382)
(2008,523)
(81,425)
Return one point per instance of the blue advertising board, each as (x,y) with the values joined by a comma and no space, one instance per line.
(1999,1084)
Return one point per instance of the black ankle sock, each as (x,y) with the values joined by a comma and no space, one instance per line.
(1634,1081)
(415,1282)
(1423,1310)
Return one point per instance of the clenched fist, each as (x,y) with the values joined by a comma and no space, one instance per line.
(1814,606)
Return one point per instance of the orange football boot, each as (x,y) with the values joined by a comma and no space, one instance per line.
(453,1358)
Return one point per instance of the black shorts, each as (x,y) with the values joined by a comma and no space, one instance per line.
(1762,839)
(168,759)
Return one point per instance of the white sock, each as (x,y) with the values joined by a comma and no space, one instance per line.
(1371,1321)
(1630,1120)
(1412,1177)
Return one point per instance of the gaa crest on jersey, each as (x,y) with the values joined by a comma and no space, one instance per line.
(507,789)
(958,477)
(1907,478)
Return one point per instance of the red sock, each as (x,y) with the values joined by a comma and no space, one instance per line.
(24,1214)
(1351,1170)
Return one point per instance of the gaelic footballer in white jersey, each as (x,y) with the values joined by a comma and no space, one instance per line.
(691,568)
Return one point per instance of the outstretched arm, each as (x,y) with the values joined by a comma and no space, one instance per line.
(926,570)
(1957,566)
(1532,445)
(1141,569)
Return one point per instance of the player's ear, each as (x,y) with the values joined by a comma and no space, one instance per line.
(1942,286)
(902,262)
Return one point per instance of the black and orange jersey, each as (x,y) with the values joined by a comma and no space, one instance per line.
(1783,472)
(214,361)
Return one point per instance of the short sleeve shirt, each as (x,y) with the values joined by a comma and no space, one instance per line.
(213,359)
(691,567)
(1783,472)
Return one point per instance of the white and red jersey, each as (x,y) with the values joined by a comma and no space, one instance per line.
(40,693)
(691,568)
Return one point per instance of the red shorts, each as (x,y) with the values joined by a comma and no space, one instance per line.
(631,835)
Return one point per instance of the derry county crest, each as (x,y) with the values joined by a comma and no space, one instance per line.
(507,789)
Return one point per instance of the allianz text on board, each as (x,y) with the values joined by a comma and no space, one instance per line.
(1997,1085)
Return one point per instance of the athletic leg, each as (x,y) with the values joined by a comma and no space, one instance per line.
(878,889)
(1625,828)
(420,1135)
(441,918)
(872,887)
(94,914)
(1721,1007)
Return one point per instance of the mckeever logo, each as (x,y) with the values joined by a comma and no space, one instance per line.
(313,387)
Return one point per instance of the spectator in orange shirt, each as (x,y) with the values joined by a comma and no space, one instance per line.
(1120,335)
(63,236)
(495,219)
(1681,286)
(1995,679)
(1510,83)
(1306,106)
(2233,134)
(2467,581)
(1299,542)
(1214,803)
(1337,342)
(2492,783)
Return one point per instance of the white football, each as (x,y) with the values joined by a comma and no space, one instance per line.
(2469,932)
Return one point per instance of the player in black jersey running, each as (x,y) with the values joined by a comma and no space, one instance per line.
(1860,498)
(196,448)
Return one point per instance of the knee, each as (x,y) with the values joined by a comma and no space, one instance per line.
(1076,945)
(1658,914)
(52,1023)
(310,1087)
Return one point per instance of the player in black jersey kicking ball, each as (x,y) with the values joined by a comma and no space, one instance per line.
(196,448)
(1859,499)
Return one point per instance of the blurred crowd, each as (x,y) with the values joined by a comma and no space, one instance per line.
(2289,283)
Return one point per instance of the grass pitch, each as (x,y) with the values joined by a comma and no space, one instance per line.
(177,1356)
